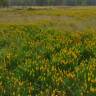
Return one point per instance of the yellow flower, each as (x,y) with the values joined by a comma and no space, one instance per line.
(21,83)
(93,90)
(93,81)
(13,93)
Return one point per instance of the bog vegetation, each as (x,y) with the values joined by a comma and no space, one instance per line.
(48,52)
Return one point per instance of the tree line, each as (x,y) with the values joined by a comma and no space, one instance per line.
(46,2)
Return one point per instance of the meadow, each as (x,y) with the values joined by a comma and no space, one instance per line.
(48,51)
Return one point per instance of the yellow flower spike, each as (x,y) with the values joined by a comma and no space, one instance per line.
(8,56)
(18,95)
(93,90)
(4,91)
(93,81)
(20,83)
(30,90)
(30,95)
(89,79)
(14,94)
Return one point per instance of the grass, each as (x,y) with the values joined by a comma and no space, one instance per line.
(48,52)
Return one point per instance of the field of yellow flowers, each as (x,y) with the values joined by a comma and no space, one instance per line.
(48,52)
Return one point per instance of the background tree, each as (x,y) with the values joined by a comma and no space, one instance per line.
(46,2)
(3,3)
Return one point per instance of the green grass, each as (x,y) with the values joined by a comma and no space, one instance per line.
(48,52)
